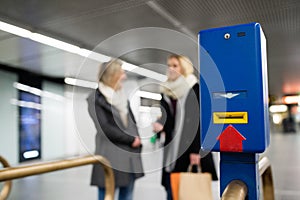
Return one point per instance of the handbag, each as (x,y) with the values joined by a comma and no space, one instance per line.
(191,186)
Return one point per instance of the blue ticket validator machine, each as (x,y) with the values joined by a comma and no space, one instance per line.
(234,101)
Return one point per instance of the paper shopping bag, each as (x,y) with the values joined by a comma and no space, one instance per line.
(191,186)
(195,186)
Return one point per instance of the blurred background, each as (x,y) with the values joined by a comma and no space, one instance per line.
(50,52)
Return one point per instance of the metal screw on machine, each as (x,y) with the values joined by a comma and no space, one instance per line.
(227,36)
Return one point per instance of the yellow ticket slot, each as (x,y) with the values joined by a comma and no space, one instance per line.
(230,117)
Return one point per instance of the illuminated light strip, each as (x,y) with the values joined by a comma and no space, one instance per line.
(277,118)
(31,154)
(291,99)
(147,109)
(37,91)
(81,83)
(54,43)
(26,104)
(150,74)
(149,95)
(15,30)
(77,50)
(37,37)
(278,108)
(93,55)
(128,67)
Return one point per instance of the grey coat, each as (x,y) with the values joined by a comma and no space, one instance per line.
(113,141)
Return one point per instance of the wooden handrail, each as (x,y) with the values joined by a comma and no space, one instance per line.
(10,173)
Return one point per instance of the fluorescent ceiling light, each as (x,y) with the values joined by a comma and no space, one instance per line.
(128,67)
(52,96)
(278,108)
(27,88)
(26,104)
(30,154)
(150,74)
(37,91)
(54,43)
(94,55)
(144,72)
(291,99)
(81,83)
(77,50)
(277,118)
(149,95)
(14,30)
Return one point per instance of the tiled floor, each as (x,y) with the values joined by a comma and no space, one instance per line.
(73,184)
(284,153)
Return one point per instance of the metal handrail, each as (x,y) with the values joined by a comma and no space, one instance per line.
(8,184)
(10,173)
(237,190)
(265,172)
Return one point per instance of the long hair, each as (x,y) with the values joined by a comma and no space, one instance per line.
(185,63)
(107,69)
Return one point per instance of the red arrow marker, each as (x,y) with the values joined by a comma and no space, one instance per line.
(231,140)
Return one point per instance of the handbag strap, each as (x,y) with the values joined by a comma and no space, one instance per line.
(191,167)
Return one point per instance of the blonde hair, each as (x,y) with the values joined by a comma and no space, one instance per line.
(185,63)
(108,69)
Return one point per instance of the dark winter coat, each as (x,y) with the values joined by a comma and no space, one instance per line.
(113,141)
(190,134)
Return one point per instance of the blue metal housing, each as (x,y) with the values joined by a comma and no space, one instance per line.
(238,54)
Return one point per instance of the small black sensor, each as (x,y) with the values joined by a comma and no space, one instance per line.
(241,34)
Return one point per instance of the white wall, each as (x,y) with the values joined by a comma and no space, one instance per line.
(80,130)
(9,143)
(53,123)
(66,127)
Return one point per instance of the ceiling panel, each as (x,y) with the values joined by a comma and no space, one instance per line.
(63,64)
(53,64)
(96,29)
(37,13)
(3,35)
(43,59)
(152,59)
(15,49)
(87,23)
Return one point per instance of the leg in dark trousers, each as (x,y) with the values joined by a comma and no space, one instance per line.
(166,182)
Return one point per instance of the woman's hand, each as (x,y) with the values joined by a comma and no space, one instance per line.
(136,143)
(194,159)
(157,127)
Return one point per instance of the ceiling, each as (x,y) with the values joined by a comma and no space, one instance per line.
(95,23)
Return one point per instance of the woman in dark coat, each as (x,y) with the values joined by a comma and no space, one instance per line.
(180,122)
(117,137)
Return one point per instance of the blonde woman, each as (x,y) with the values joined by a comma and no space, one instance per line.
(117,136)
(180,121)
